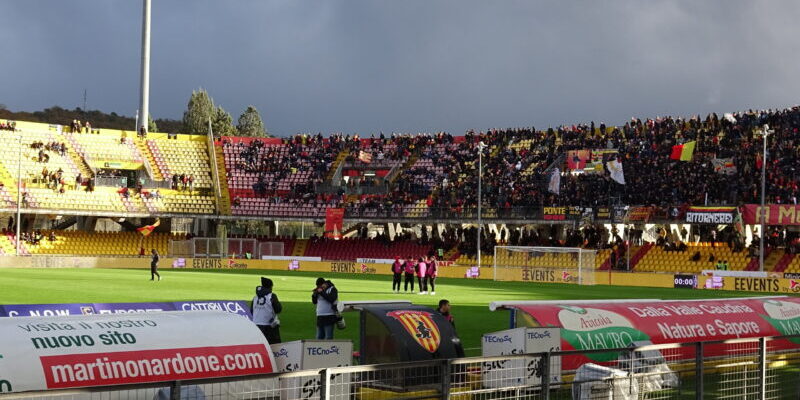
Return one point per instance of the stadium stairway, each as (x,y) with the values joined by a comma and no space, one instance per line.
(73,159)
(76,156)
(225,199)
(784,262)
(753,264)
(149,159)
(606,264)
(640,253)
(792,266)
(335,165)
(23,249)
(412,159)
(452,254)
(299,249)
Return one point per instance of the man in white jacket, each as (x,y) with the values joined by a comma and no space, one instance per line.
(266,308)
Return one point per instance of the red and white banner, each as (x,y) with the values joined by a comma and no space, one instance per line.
(777,214)
(40,353)
(607,325)
(334,218)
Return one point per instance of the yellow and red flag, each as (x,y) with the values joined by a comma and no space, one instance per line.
(148,229)
(420,326)
(683,152)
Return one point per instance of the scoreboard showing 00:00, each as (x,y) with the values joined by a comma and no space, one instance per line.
(685,281)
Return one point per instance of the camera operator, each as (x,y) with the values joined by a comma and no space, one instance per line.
(265,309)
(325,296)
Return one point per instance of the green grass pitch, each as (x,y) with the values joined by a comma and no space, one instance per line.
(469,298)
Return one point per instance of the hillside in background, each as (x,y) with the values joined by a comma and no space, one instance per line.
(98,119)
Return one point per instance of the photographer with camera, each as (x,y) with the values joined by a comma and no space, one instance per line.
(325,296)
(265,309)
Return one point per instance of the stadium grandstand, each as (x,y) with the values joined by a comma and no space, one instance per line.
(625,191)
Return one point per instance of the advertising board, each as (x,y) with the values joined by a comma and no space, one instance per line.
(57,352)
(312,354)
(237,307)
(606,325)
(509,373)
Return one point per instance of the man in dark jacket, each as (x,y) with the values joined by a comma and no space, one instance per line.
(444,310)
(325,296)
(154,265)
(265,309)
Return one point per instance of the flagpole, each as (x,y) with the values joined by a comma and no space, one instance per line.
(481,146)
(764,133)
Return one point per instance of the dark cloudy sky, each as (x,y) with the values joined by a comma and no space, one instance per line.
(411,65)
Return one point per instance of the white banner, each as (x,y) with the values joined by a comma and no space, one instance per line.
(313,354)
(520,371)
(291,258)
(39,353)
(737,274)
(375,260)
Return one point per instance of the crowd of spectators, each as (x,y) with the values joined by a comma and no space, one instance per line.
(44,148)
(442,169)
(54,179)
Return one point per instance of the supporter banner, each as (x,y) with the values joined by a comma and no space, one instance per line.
(554,213)
(710,215)
(777,214)
(618,213)
(41,353)
(562,213)
(45,310)
(592,326)
(724,166)
(638,214)
(603,213)
(334,218)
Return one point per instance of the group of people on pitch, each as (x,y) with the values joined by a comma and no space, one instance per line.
(425,269)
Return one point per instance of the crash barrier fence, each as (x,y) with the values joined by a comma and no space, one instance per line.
(751,368)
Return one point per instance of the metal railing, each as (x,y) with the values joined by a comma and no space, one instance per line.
(112,181)
(753,368)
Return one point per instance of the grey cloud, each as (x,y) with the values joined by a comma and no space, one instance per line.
(366,66)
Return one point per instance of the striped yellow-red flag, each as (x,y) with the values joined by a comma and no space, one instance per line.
(420,326)
(148,229)
(683,152)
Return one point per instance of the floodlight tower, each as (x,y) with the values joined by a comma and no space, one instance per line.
(144,92)
(481,147)
(765,131)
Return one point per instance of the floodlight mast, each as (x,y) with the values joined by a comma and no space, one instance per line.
(144,90)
